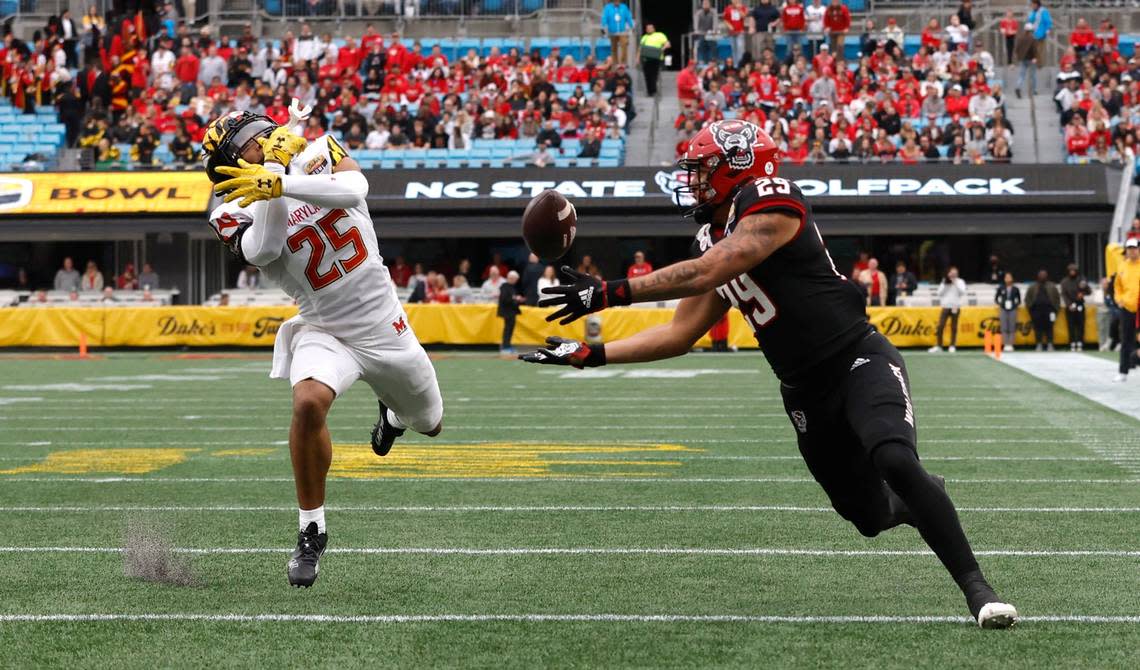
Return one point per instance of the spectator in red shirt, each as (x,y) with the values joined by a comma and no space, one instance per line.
(734,17)
(932,35)
(186,67)
(496,262)
(401,272)
(1083,39)
(824,60)
(794,22)
(1009,27)
(1106,36)
(837,21)
(689,84)
(1077,138)
(956,103)
(640,266)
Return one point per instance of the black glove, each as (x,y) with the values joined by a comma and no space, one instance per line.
(568,352)
(583,295)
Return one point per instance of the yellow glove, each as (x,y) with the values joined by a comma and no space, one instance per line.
(249,182)
(282,145)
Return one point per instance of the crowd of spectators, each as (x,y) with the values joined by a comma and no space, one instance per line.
(147,79)
(941,104)
(1097,93)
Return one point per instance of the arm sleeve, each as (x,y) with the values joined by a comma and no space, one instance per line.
(344,189)
(264,239)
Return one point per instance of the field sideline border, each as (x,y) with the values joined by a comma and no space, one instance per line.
(552,618)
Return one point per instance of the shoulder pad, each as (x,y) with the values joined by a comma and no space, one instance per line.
(769,193)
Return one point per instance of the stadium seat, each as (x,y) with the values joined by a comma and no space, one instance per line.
(389,164)
(602,49)
(455,162)
(496,6)
(609,163)
(491,42)
(530,6)
(437,153)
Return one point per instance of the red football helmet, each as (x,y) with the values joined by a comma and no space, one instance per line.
(721,158)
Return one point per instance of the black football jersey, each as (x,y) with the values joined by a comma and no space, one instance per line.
(802,310)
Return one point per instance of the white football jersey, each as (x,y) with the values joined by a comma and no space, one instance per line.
(330,263)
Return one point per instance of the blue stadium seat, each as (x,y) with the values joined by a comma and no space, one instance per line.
(584,162)
(450,48)
(943,150)
(466,44)
(529,6)
(518,164)
(609,163)
(410,163)
(432,163)
(394,154)
(426,44)
(437,153)
(569,46)
(455,162)
(602,48)
(1127,46)
(479,153)
(389,165)
(490,42)
(481,143)
(497,6)
(495,163)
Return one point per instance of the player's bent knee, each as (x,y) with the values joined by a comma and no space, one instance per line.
(898,464)
(867,526)
(435,431)
(311,402)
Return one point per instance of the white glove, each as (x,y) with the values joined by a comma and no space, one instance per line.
(298,114)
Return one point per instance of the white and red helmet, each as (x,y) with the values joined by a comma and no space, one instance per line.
(721,158)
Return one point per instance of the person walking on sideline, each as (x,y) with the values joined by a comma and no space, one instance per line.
(951,296)
(651,52)
(1126,292)
(618,23)
(1043,300)
(509,300)
(1008,299)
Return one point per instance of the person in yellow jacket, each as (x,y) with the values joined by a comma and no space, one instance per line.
(1127,293)
(651,52)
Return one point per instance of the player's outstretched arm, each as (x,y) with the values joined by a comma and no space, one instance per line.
(345,188)
(262,241)
(756,237)
(692,319)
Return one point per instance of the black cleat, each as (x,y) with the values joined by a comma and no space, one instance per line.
(305,563)
(384,434)
(985,605)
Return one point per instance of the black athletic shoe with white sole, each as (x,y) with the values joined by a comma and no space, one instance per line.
(384,434)
(988,610)
(305,562)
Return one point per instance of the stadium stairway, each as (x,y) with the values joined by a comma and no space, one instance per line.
(1037,133)
(652,139)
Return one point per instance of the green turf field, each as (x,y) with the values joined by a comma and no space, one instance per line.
(655,516)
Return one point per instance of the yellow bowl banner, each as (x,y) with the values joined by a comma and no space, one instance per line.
(439,324)
(176,192)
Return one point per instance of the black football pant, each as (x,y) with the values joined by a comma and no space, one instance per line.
(1042,324)
(855,426)
(1127,340)
(1076,325)
(508,330)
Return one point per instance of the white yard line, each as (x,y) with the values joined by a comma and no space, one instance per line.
(592,551)
(1091,378)
(550,618)
(529,509)
(420,480)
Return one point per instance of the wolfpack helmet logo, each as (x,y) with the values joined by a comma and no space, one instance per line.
(800,420)
(736,139)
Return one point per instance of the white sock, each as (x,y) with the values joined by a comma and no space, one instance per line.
(308,516)
(395,421)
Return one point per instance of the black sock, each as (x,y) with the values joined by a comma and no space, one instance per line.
(931,511)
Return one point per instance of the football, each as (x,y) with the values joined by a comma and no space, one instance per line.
(549,225)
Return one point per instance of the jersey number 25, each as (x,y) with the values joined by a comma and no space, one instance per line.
(309,236)
(747,296)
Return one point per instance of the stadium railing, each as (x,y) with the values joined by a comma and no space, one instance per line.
(157,297)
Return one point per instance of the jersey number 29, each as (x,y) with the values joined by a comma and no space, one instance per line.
(747,296)
(309,236)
